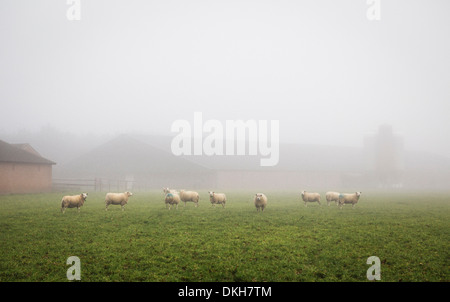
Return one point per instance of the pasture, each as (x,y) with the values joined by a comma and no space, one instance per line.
(287,242)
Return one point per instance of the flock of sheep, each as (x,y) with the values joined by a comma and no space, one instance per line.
(77,201)
(173,197)
(339,198)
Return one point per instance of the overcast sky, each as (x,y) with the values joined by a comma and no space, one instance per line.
(327,73)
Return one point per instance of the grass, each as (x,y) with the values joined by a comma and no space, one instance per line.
(287,242)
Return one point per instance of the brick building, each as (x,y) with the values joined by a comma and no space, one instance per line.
(23,170)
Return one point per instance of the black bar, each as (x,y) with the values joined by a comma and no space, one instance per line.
(213,291)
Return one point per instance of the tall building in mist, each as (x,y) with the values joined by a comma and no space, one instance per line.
(384,154)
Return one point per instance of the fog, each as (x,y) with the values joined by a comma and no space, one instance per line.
(327,73)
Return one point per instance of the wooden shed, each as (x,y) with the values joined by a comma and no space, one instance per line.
(23,170)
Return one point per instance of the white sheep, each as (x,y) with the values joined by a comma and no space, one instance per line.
(310,197)
(117,198)
(172,199)
(74,201)
(349,198)
(332,196)
(217,198)
(260,201)
(186,196)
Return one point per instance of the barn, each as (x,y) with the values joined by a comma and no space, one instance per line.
(23,169)
(126,163)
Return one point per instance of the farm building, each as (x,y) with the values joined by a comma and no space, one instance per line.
(385,157)
(125,163)
(23,169)
(146,162)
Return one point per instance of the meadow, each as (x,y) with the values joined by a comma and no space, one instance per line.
(287,242)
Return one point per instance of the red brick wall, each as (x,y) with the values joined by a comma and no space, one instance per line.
(25,178)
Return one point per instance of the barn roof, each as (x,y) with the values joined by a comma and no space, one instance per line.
(14,154)
(125,155)
(27,147)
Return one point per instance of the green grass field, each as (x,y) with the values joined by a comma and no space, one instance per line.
(287,242)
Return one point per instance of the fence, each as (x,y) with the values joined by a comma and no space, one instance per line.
(97,185)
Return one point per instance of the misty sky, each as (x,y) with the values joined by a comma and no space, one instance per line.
(327,73)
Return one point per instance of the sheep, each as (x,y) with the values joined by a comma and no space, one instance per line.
(75,201)
(172,199)
(310,197)
(217,198)
(260,202)
(186,196)
(117,198)
(349,198)
(332,196)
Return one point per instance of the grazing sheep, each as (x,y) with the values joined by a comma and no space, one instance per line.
(186,196)
(75,201)
(172,199)
(310,197)
(332,196)
(260,202)
(349,198)
(117,198)
(217,198)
